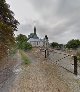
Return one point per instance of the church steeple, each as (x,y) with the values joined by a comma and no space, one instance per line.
(34,30)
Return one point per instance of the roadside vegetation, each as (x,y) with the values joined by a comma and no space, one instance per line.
(78,55)
(73,44)
(8,24)
(56,45)
(23,46)
(24,57)
(21,41)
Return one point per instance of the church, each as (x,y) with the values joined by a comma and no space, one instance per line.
(35,41)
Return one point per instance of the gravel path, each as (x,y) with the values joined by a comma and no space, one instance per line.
(64,60)
(39,76)
(8,71)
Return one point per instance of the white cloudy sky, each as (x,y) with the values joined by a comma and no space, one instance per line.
(59,19)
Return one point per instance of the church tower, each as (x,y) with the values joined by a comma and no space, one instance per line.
(34,30)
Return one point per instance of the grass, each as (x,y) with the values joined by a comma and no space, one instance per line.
(78,56)
(24,57)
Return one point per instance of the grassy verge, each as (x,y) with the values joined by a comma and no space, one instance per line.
(78,56)
(24,57)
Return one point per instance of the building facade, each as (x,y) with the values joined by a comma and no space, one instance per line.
(35,41)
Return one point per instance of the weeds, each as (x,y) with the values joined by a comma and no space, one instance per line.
(78,55)
(24,57)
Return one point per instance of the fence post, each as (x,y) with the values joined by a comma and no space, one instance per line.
(75,65)
(48,52)
(45,54)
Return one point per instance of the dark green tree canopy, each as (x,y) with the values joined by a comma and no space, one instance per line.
(73,44)
(8,24)
(21,38)
(22,43)
(54,44)
(7,16)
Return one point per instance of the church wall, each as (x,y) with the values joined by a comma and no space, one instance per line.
(37,43)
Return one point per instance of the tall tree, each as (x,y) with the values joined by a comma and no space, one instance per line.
(54,44)
(73,44)
(8,24)
(22,43)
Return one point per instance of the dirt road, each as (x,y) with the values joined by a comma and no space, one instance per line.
(39,76)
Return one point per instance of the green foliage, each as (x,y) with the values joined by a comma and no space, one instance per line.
(54,44)
(74,44)
(13,50)
(78,54)
(21,38)
(57,45)
(61,45)
(78,57)
(22,42)
(8,24)
(7,16)
(24,57)
(27,46)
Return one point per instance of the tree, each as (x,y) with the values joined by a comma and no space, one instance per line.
(28,46)
(61,45)
(73,44)
(54,44)
(22,43)
(8,24)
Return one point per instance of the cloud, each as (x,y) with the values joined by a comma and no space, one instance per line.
(59,19)
(62,17)
(68,8)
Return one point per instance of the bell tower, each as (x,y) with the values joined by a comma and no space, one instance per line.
(34,30)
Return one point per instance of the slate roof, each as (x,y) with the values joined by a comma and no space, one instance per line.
(34,36)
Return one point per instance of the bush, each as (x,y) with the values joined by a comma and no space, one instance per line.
(22,43)
(28,46)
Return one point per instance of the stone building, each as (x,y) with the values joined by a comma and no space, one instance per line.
(35,41)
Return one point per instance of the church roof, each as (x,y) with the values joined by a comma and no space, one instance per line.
(34,36)
(32,39)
